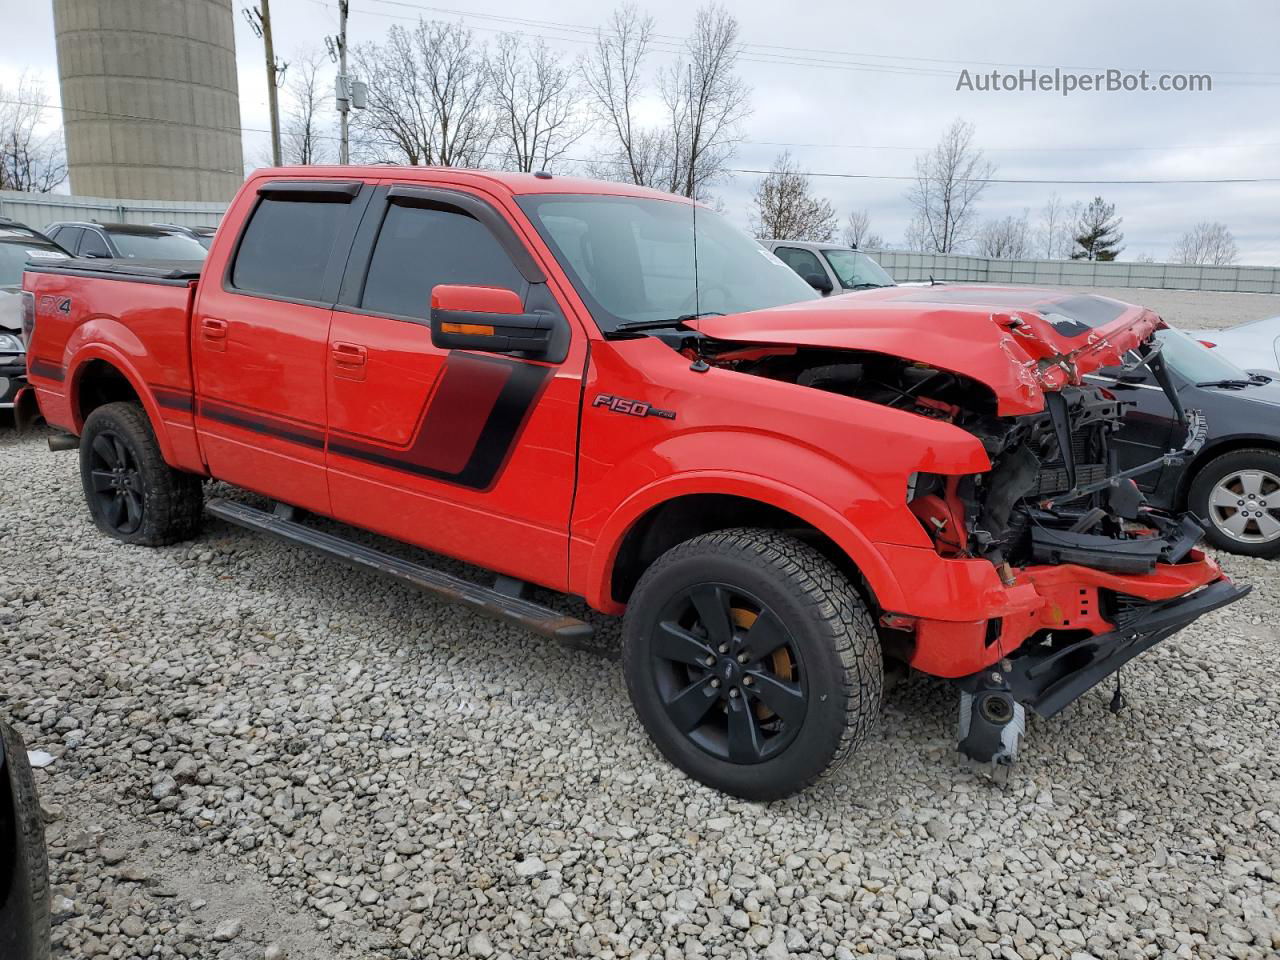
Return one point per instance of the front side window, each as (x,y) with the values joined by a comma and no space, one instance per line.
(803,262)
(857,271)
(285,248)
(632,259)
(92,245)
(421,247)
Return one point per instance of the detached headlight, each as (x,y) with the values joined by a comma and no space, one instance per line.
(9,343)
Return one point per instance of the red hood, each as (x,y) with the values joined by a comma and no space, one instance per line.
(1020,341)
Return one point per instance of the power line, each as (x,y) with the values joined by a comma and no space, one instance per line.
(812,55)
(742,170)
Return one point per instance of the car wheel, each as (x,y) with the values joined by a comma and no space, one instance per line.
(24,865)
(133,495)
(1238,495)
(752,662)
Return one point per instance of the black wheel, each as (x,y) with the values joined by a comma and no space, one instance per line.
(24,865)
(133,495)
(1238,494)
(751,661)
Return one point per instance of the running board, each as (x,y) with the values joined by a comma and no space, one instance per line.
(502,606)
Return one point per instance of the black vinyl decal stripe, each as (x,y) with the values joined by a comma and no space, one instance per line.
(294,433)
(173,399)
(45,369)
(518,397)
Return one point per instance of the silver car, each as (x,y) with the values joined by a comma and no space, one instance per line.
(1250,346)
(829,267)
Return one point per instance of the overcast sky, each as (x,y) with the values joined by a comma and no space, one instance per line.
(885,88)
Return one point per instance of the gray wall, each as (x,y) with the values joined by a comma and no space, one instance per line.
(149,97)
(906,267)
(41,209)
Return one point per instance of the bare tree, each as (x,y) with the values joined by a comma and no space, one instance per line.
(31,154)
(784,208)
(428,97)
(535,97)
(857,232)
(949,180)
(303,137)
(703,97)
(1053,239)
(612,72)
(1008,238)
(705,101)
(1207,243)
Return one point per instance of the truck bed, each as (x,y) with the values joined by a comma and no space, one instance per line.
(146,271)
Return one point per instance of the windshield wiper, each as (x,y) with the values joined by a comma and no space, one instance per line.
(868,286)
(1228,383)
(635,326)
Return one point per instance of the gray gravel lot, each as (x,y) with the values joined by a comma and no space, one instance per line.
(262,754)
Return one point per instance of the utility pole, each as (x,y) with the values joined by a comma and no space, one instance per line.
(349,94)
(343,105)
(259,18)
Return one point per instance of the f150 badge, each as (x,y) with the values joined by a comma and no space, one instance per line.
(633,408)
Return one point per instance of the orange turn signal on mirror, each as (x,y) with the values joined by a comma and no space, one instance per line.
(479,329)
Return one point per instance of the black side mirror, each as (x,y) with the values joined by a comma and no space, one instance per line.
(819,282)
(487,318)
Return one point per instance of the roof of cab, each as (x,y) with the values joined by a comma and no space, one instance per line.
(517,184)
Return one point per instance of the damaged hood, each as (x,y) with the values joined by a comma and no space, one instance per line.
(1019,341)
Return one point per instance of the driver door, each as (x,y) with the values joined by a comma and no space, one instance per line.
(466,453)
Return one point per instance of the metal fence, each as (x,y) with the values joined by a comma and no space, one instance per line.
(41,209)
(907,267)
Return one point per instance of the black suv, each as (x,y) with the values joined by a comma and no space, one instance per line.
(126,241)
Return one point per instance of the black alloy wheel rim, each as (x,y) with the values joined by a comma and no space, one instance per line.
(116,482)
(729,673)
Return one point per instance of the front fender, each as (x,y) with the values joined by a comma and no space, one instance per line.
(830,519)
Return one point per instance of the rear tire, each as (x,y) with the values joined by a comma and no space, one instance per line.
(752,662)
(24,865)
(133,495)
(1238,497)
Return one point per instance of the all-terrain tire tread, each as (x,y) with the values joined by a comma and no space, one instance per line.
(174,499)
(831,599)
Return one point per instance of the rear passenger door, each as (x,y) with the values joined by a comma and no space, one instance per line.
(465,453)
(260,338)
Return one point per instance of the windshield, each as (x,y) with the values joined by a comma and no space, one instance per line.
(157,246)
(631,259)
(857,271)
(1191,359)
(14,256)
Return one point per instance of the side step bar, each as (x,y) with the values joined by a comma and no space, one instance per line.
(502,606)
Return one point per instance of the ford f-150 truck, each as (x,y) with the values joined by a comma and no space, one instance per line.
(612,393)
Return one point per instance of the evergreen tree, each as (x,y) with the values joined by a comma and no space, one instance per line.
(1097,235)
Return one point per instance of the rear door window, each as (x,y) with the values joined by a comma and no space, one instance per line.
(421,247)
(284,251)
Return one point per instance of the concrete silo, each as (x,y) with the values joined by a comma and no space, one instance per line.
(149,96)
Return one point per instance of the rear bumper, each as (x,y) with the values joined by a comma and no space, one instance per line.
(1047,677)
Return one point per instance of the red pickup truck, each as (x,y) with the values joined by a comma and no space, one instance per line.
(611,393)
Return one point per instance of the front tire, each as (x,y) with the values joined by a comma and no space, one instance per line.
(752,662)
(133,495)
(1238,495)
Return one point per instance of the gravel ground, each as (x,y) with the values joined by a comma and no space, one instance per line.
(259,754)
(1197,308)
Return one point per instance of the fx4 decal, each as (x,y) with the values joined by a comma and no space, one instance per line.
(51,304)
(633,408)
